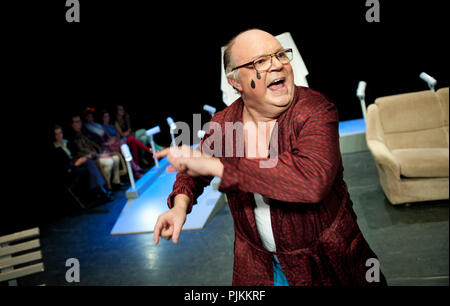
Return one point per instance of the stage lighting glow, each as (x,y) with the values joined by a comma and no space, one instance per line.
(149,215)
(126,152)
(429,79)
(211,110)
(150,133)
(153,131)
(173,127)
(171,123)
(361,94)
(361,91)
(128,158)
(200,134)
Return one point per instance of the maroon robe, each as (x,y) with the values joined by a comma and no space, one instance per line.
(318,241)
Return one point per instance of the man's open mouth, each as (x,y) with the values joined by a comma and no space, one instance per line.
(276,84)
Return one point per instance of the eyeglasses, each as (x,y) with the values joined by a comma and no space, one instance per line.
(264,63)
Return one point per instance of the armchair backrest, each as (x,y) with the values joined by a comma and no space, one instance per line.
(413,120)
(443,98)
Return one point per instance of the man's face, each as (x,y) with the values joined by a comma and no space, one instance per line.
(268,96)
(58,135)
(76,124)
(106,118)
(90,118)
(120,110)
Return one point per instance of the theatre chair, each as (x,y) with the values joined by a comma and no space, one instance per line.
(408,137)
(229,95)
(69,187)
(13,266)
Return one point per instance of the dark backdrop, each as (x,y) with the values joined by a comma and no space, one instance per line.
(163,59)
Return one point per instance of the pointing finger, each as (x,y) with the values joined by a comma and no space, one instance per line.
(157,231)
(161,153)
(176,233)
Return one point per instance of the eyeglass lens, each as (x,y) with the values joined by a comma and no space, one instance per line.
(264,63)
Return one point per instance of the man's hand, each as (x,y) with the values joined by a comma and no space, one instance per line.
(170,223)
(191,161)
(80,161)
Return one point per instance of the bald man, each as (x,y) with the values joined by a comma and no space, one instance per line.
(293,218)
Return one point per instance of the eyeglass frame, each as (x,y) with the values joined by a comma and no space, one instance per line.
(271,55)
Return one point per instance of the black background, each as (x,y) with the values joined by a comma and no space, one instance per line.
(163,59)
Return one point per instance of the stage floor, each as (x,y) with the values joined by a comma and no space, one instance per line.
(140,214)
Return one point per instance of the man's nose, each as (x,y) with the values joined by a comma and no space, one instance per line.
(276,64)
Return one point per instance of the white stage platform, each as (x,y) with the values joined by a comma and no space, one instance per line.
(352,136)
(140,214)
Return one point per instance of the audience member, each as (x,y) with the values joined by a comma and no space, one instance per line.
(90,159)
(80,172)
(108,162)
(112,142)
(107,124)
(123,129)
(90,129)
(106,141)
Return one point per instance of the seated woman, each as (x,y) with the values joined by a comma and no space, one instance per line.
(81,172)
(112,143)
(122,126)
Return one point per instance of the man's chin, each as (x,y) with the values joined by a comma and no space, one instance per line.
(281,101)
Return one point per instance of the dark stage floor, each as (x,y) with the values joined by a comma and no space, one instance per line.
(411,242)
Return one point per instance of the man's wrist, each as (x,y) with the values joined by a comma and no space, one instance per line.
(218,168)
(181,201)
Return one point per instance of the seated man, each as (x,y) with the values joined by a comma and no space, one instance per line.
(93,130)
(109,163)
(82,171)
(292,212)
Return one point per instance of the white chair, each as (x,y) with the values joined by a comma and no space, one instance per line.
(8,270)
(229,95)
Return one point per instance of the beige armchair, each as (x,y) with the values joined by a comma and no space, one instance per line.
(408,137)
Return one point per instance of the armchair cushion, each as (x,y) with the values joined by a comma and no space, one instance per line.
(426,162)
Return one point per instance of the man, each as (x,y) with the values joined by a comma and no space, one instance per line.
(80,170)
(109,163)
(94,131)
(293,220)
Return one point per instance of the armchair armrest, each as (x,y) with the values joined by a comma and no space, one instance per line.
(384,156)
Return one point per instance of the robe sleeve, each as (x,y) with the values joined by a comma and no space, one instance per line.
(303,174)
(191,186)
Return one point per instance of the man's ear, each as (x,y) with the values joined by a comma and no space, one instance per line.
(235,84)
